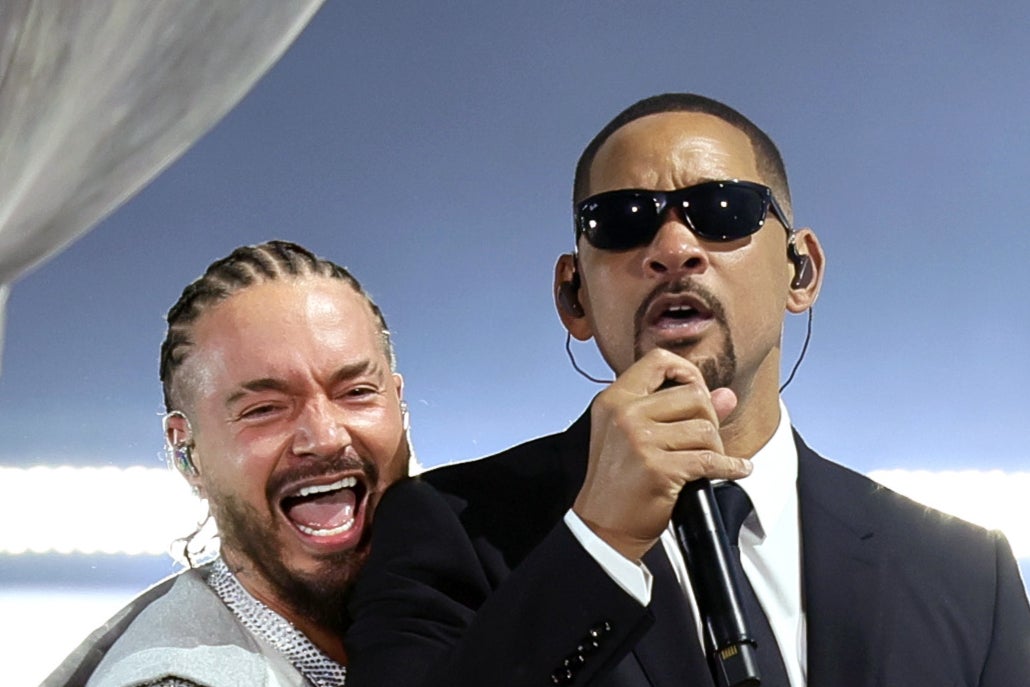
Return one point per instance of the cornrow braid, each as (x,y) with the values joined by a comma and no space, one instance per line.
(244,267)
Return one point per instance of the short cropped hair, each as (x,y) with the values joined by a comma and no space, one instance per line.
(767,156)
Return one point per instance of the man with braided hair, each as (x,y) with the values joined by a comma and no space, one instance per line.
(285,414)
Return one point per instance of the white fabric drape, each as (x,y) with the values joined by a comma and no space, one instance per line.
(98,96)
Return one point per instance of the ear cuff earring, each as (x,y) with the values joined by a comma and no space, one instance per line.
(180,454)
(182,458)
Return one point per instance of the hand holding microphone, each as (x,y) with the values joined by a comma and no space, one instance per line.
(648,440)
(654,446)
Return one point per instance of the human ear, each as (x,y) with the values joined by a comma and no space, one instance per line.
(398,382)
(807,267)
(179,446)
(568,286)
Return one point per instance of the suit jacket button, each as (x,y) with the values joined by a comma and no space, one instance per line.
(587,647)
(600,630)
(562,676)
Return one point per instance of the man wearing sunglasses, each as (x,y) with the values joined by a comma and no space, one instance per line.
(555,562)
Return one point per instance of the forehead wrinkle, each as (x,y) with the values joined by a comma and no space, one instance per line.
(702,159)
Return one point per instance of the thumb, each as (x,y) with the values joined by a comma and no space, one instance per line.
(723,401)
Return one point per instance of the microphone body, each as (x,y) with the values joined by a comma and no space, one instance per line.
(706,549)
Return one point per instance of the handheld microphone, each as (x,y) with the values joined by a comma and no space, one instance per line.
(702,539)
(706,550)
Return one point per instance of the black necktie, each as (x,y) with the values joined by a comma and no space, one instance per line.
(735,506)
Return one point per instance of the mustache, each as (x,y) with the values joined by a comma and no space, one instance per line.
(314,467)
(687,285)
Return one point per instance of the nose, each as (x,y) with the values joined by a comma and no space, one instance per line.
(320,430)
(674,249)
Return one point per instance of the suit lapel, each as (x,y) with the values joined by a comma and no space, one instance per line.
(843,577)
(843,586)
(669,652)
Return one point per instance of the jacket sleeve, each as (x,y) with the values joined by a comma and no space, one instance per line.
(1008,657)
(431,609)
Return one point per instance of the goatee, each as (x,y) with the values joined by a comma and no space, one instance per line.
(718,370)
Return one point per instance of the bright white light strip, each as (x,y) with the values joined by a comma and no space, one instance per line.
(106,510)
(140,510)
(992,498)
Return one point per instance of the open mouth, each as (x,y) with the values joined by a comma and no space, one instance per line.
(678,314)
(326,510)
(675,311)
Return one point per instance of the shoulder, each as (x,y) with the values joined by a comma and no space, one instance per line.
(541,475)
(911,534)
(862,498)
(545,462)
(506,502)
(190,610)
(79,665)
(183,631)
(924,574)
(528,460)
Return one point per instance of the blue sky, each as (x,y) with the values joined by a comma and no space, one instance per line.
(430,149)
(430,146)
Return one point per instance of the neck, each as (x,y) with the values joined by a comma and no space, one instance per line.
(756,417)
(328,640)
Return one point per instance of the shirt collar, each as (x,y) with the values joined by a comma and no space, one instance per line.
(261,620)
(772,484)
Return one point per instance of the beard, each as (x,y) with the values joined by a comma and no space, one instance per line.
(318,594)
(719,369)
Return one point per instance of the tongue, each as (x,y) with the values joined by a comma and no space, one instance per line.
(324,511)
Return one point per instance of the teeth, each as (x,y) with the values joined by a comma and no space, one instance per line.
(345,483)
(310,531)
(679,312)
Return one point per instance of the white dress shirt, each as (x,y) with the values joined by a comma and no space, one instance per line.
(770,547)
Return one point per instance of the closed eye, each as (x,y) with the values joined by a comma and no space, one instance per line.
(260,411)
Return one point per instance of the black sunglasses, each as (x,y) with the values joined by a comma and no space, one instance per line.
(714,210)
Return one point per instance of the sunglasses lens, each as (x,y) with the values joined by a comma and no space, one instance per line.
(715,211)
(723,211)
(619,220)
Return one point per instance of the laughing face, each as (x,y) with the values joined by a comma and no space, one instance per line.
(297,430)
(719,304)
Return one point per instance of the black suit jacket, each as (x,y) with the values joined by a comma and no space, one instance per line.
(475,580)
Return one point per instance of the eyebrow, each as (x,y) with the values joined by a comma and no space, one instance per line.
(355,369)
(348,371)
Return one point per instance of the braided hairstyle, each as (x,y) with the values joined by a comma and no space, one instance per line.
(244,267)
